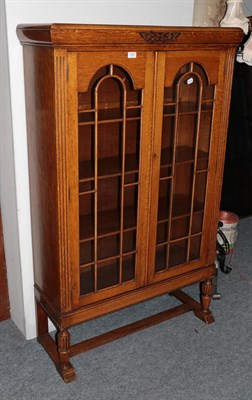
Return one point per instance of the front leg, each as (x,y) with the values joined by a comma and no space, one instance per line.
(64,366)
(206,293)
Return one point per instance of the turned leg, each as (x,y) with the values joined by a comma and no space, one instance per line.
(206,293)
(64,367)
(58,350)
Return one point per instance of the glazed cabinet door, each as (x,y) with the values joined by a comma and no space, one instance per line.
(186,145)
(110,114)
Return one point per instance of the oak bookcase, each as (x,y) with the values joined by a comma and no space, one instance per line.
(126,138)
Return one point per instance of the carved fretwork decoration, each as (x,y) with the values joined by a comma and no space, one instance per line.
(159,37)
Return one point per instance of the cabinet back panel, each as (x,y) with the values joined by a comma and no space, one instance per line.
(86,143)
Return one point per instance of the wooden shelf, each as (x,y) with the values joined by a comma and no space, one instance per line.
(109,115)
(108,223)
(85,108)
(177,255)
(181,207)
(186,108)
(178,217)
(180,227)
(184,154)
(177,258)
(108,247)
(108,274)
(108,167)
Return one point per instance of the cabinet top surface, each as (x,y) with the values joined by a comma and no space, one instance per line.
(87,36)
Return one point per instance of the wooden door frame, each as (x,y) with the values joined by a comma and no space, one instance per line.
(73,86)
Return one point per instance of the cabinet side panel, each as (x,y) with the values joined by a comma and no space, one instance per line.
(39,87)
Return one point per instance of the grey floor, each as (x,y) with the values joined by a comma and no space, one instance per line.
(181,359)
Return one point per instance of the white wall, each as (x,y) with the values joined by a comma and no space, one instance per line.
(7,184)
(139,12)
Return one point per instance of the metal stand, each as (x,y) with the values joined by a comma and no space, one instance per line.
(216,295)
